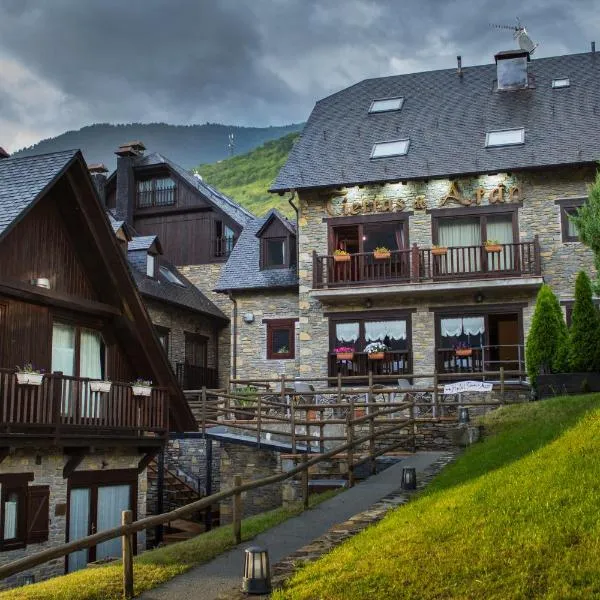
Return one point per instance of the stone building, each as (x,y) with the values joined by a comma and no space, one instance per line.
(433,205)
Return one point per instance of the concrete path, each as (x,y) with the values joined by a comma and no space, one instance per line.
(208,581)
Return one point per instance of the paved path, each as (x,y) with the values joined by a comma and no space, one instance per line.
(208,581)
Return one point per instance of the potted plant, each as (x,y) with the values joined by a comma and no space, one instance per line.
(340,255)
(102,386)
(344,352)
(27,375)
(492,246)
(463,349)
(439,250)
(376,350)
(381,252)
(141,387)
(246,399)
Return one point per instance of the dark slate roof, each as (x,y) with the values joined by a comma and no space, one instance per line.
(275,214)
(236,212)
(143,242)
(24,179)
(116,224)
(242,270)
(161,289)
(446,117)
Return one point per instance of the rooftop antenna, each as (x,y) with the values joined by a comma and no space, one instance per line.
(231,145)
(520,34)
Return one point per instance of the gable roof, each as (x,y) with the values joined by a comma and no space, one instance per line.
(446,116)
(231,208)
(242,269)
(144,242)
(271,216)
(24,180)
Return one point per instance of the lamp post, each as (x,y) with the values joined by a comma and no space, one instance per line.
(257,572)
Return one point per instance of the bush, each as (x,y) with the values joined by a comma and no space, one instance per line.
(584,346)
(547,342)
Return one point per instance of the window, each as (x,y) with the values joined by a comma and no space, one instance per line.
(386,104)
(390,148)
(224,239)
(78,352)
(281,336)
(163,337)
(170,276)
(568,304)
(160,191)
(196,350)
(568,207)
(274,253)
(24,511)
(562,82)
(505,137)
(358,332)
(150,265)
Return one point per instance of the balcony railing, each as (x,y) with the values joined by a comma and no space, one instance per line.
(157,198)
(482,359)
(191,377)
(395,363)
(416,265)
(66,407)
(222,246)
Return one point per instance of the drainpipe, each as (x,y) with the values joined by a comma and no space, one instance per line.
(291,202)
(234,334)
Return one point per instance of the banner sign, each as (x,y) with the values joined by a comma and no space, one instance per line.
(467,386)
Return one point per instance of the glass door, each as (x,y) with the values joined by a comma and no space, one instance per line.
(112,501)
(79,525)
(63,360)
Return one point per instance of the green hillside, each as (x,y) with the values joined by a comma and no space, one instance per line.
(246,178)
(515,517)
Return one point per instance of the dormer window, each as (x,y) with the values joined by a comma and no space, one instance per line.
(151,265)
(277,243)
(274,253)
(156,192)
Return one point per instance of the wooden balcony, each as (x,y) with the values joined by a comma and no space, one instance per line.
(156,198)
(191,377)
(222,246)
(422,265)
(395,363)
(66,411)
(489,358)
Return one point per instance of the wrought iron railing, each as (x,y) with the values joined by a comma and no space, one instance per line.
(157,198)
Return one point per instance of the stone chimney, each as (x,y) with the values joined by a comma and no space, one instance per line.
(3,153)
(98,173)
(511,70)
(126,157)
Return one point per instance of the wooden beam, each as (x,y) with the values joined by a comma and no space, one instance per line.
(147,458)
(76,456)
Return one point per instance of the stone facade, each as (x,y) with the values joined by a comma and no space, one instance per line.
(47,468)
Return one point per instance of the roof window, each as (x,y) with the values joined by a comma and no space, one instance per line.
(390,148)
(505,137)
(170,276)
(561,82)
(386,104)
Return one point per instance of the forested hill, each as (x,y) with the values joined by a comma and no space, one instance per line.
(247,178)
(187,145)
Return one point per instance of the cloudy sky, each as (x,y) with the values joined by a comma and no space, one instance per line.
(69,63)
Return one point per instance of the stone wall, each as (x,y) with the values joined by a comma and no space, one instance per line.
(47,468)
(251,464)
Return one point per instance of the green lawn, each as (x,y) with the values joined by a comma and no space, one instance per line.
(154,567)
(517,516)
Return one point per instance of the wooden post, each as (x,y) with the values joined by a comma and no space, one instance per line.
(350,440)
(502,385)
(126,519)
(305,482)
(258,419)
(204,410)
(371,425)
(237,510)
(435,395)
(414,259)
(227,414)
(413,425)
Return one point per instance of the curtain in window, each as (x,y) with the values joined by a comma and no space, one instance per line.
(460,326)
(451,327)
(90,365)
(500,229)
(378,331)
(458,233)
(571,227)
(473,325)
(112,501)
(79,518)
(10,516)
(346,332)
(63,348)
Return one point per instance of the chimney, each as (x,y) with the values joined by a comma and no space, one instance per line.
(459,65)
(98,173)
(593,47)
(3,153)
(511,70)
(126,157)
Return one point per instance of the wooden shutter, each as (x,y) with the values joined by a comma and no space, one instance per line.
(38,513)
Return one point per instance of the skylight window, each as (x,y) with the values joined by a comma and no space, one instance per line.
(505,137)
(170,276)
(561,82)
(386,104)
(391,148)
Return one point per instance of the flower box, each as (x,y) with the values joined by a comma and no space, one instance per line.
(439,251)
(381,255)
(341,257)
(141,390)
(30,378)
(100,386)
(493,248)
(345,355)
(376,355)
(463,351)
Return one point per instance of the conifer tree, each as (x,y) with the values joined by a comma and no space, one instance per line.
(584,338)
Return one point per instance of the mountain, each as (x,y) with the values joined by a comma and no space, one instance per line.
(247,178)
(187,145)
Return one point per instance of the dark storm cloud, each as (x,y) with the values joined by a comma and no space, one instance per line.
(245,62)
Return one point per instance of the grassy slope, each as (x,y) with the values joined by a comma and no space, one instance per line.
(515,517)
(154,567)
(246,178)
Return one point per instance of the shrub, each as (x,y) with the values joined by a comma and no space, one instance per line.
(584,346)
(547,342)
